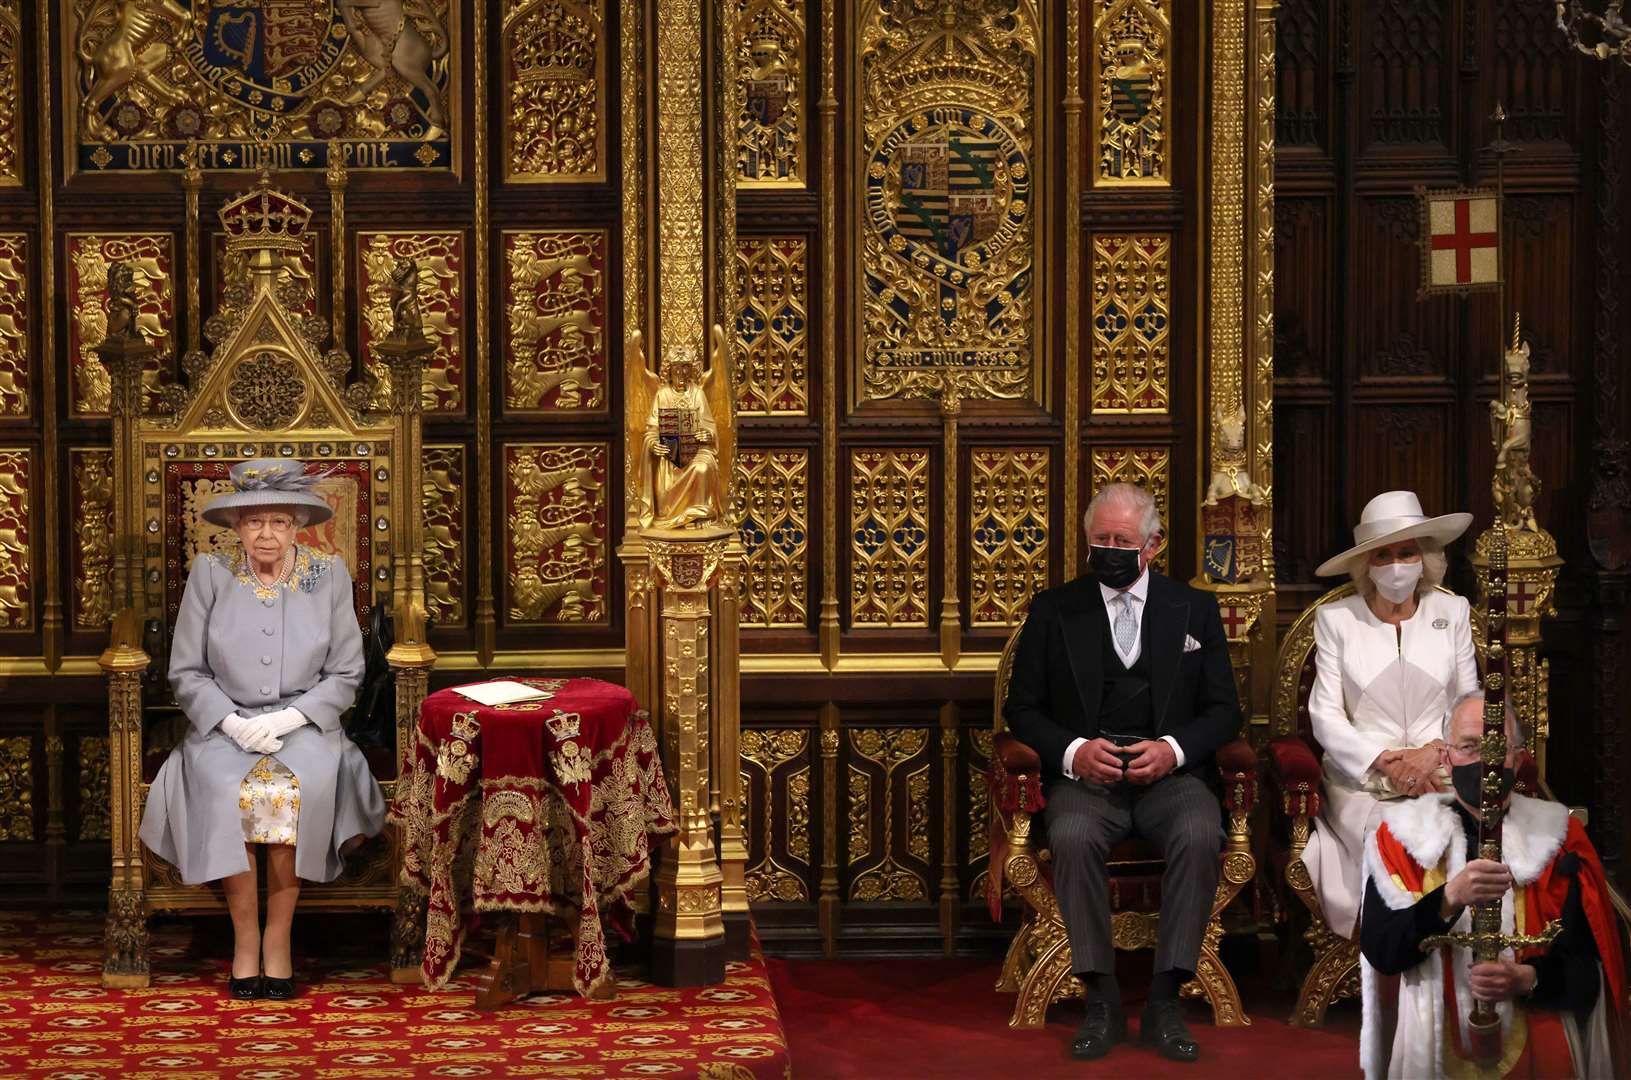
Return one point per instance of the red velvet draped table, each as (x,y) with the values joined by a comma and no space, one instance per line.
(548,806)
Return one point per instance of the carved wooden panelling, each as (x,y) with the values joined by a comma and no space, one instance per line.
(771,142)
(17,536)
(14,322)
(889,813)
(445,514)
(1308,531)
(776,770)
(1302,300)
(1132,79)
(555,532)
(1405,75)
(440,258)
(889,537)
(90,497)
(978,837)
(1149,467)
(950,205)
(95,817)
(554,103)
(16,787)
(1008,532)
(1398,336)
(1539,252)
(12,47)
(772,328)
(85,270)
(1300,65)
(1401,446)
(1131,322)
(266,88)
(1534,70)
(771,504)
(554,302)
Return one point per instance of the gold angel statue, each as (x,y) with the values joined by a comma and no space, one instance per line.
(682,455)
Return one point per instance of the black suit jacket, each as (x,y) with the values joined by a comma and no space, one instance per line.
(1053,696)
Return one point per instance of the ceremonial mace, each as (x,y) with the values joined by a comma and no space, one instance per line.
(1486,940)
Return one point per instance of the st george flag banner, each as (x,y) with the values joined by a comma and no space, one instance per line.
(1460,238)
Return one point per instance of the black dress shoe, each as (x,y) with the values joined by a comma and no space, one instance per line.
(277,989)
(1102,1028)
(1163,1028)
(244,989)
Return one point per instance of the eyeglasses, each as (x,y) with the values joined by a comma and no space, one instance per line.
(278,523)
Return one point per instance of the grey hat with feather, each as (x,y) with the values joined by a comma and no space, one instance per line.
(270,482)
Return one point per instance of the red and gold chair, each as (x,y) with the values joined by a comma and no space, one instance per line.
(1037,966)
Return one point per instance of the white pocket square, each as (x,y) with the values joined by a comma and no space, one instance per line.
(1190,644)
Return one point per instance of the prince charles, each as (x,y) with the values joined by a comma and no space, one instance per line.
(1122,685)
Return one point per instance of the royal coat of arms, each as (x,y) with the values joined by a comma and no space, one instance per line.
(1233,531)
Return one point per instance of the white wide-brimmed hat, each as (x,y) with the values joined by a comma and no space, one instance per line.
(1390,517)
(267,482)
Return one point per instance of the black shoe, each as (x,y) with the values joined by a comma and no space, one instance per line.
(277,989)
(1163,1028)
(245,989)
(1102,1028)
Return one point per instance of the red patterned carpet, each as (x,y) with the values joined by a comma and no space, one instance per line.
(57,1021)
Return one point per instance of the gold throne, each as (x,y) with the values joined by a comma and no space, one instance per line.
(266,389)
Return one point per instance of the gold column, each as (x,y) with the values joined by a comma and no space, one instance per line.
(124,962)
(727,768)
(481,374)
(949,898)
(51,628)
(828,629)
(951,620)
(1073,314)
(337,178)
(192,183)
(690,947)
(827,911)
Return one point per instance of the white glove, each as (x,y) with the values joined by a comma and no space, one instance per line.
(284,721)
(252,734)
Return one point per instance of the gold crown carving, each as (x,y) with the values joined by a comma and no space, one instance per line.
(554,56)
(765,37)
(265,219)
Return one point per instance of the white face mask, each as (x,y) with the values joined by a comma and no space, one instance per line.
(1396,581)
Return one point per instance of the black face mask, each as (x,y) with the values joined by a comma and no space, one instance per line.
(1116,567)
(1469,779)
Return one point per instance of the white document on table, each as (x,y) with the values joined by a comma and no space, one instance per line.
(500,692)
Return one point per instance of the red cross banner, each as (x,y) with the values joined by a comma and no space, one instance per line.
(1460,240)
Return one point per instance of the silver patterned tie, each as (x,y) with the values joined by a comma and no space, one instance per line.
(1126,625)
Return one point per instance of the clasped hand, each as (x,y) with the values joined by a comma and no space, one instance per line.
(1147,761)
(262,734)
(1413,771)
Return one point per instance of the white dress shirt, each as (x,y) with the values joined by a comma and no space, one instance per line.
(1138,592)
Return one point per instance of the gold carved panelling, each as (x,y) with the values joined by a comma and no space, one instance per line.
(233,270)
(555,523)
(952,207)
(1149,467)
(262,86)
(440,258)
(151,257)
(11,65)
(16,536)
(444,534)
(1132,65)
(771,143)
(555,326)
(16,787)
(979,809)
(95,791)
(772,328)
(860,813)
(14,344)
(767,755)
(1008,532)
(90,496)
(889,537)
(769,499)
(891,750)
(1132,333)
(554,111)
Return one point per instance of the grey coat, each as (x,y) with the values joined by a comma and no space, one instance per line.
(241,647)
